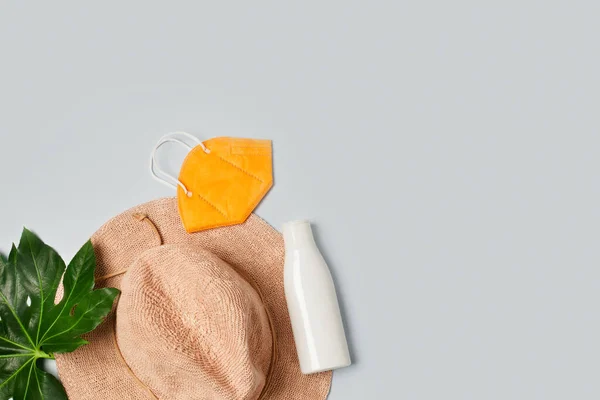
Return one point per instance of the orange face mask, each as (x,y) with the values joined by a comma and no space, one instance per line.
(221,181)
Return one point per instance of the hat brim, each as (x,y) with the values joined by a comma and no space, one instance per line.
(98,371)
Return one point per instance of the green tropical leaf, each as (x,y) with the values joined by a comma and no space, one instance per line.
(33,326)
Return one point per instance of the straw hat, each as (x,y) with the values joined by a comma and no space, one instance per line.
(201,316)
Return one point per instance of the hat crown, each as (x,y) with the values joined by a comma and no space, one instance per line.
(188,322)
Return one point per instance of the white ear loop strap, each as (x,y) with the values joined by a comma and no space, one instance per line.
(158,173)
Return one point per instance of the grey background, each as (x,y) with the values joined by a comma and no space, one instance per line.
(447,151)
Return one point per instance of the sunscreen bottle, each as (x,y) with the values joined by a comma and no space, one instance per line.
(312,303)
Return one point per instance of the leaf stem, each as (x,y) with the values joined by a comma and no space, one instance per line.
(42,354)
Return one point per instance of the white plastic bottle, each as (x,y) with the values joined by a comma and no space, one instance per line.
(312,303)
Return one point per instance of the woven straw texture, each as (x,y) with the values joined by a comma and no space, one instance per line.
(190,323)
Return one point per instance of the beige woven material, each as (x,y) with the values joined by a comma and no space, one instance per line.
(202,316)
